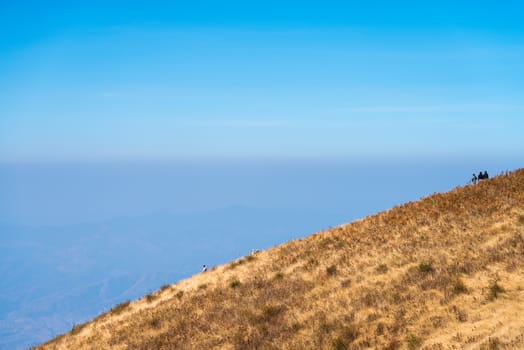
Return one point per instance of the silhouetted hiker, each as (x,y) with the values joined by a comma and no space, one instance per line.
(474,179)
(486,176)
(481,176)
(204,268)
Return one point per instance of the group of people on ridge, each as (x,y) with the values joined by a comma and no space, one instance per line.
(480,176)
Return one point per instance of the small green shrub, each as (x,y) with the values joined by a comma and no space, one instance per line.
(77,328)
(340,244)
(120,307)
(179,294)
(278,276)
(338,344)
(426,267)
(413,341)
(202,286)
(296,326)
(151,297)
(234,284)
(458,287)
(164,287)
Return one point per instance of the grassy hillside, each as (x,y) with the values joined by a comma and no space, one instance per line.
(440,273)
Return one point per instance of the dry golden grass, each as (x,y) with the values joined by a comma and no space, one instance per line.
(445,272)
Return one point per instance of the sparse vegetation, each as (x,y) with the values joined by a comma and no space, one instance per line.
(347,336)
(382,268)
(391,281)
(120,307)
(392,344)
(278,276)
(155,323)
(269,312)
(494,290)
(338,344)
(459,287)
(413,341)
(151,297)
(241,261)
(460,314)
(234,284)
(331,270)
(426,267)
(236,263)
(491,344)
(77,328)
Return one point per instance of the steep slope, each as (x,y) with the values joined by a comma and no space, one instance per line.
(445,272)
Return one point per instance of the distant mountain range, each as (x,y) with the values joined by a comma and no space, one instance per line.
(55,277)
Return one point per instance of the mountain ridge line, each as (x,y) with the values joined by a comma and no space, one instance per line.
(442,272)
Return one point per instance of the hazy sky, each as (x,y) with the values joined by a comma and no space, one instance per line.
(184,79)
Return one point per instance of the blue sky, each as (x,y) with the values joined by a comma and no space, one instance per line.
(103,80)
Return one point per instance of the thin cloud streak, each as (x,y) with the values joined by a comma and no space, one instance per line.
(238,123)
(453,108)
